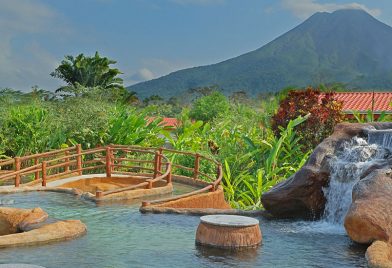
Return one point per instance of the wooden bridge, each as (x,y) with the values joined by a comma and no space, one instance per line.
(152,164)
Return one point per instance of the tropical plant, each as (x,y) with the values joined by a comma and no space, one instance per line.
(265,165)
(132,127)
(325,112)
(27,129)
(83,74)
(371,117)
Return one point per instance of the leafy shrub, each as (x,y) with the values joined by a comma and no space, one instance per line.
(27,129)
(130,127)
(209,107)
(325,112)
(267,162)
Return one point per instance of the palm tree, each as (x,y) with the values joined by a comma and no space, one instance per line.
(83,73)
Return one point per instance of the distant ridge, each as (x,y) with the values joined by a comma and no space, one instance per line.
(347,46)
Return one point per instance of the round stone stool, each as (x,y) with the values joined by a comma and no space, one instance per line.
(228,231)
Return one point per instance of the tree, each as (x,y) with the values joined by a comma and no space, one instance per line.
(203,91)
(208,107)
(153,100)
(9,95)
(38,93)
(84,74)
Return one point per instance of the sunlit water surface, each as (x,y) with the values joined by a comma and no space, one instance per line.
(120,236)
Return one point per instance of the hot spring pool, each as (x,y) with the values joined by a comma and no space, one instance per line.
(119,236)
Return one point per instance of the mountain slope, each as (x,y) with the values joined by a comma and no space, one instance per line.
(347,46)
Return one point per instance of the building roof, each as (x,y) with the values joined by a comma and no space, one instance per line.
(169,122)
(362,101)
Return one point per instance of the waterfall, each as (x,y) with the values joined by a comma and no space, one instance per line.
(346,170)
(381,137)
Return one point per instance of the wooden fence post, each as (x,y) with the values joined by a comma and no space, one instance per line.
(36,174)
(213,187)
(149,185)
(108,162)
(66,169)
(17,168)
(218,170)
(196,167)
(169,176)
(79,159)
(98,194)
(156,163)
(112,163)
(43,173)
(160,150)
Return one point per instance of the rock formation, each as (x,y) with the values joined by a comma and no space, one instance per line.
(301,196)
(370,215)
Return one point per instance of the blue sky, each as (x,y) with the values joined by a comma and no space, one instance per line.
(147,38)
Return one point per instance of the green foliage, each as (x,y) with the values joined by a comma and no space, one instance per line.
(209,107)
(23,130)
(255,159)
(40,126)
(263,165)
(371,117)
(130,127)
(83,120)
(88,74)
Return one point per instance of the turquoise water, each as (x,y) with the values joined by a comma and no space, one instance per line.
(120,236)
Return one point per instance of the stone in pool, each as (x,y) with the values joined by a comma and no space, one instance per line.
(228,231)
(26,227)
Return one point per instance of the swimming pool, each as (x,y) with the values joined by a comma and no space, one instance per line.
(120,236)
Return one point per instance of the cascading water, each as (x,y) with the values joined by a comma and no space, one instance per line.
(347,167)
(381,137)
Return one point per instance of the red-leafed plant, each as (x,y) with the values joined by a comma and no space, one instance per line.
(324,113)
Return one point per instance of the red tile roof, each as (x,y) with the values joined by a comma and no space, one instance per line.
(170,122)
(362,101)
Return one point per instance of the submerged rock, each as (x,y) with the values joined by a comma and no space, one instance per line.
(302,195)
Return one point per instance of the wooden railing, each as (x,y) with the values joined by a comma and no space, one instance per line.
(113,160)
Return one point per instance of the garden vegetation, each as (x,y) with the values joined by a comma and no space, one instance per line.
(260,142)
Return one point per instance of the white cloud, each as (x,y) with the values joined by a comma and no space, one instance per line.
(143,75)
(25,62)
(305,8)
(198,2)
(154,68)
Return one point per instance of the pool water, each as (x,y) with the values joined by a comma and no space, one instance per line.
(120,236)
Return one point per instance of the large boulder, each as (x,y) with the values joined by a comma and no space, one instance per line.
(301,196)
(370,215)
